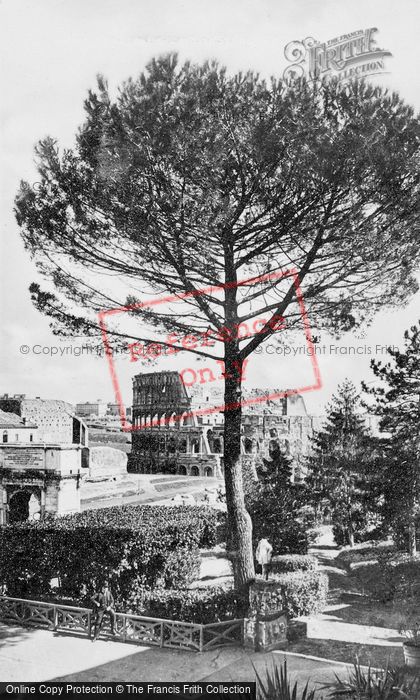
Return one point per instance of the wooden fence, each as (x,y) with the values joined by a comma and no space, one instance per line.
(128,628)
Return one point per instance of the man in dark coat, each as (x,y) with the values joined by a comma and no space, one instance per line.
(103,605)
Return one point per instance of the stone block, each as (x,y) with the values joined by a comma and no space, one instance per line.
(266,626)
(107,462)
(68,497)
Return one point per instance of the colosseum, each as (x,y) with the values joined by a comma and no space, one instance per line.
(169,437)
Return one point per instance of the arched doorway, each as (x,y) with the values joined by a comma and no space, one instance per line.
(210,439)
(195,471)
(19,507)
(274,448)
(182,470)
(208,471)
(248,446)
(217,445)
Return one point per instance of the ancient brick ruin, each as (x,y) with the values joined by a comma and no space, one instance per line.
(171,436)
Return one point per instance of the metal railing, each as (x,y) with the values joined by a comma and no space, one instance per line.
(128,628)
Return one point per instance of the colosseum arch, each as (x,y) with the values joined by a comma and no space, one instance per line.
(171,420)
(217,445)
(195,445)
(273,447)
(247,445)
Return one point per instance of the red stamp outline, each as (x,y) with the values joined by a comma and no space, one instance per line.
(291,272)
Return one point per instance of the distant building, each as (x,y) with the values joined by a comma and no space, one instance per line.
(91,408)
(100,409)
(43,455)
(55,419)
(16,429)
(113,409)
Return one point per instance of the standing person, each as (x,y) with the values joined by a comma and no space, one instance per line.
(263,556)
(104,605)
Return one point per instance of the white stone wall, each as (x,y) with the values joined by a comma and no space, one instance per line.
(106,462)
(68,496)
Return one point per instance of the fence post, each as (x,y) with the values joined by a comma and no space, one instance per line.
(55,617)
(201,637)
(162,629)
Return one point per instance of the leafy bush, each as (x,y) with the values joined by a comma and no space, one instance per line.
(284,563)
(196,524)
(372,528)
(201,605)
(26,562)
(371,534)
(399,531)
(292,538)
(131,545)
(274,505)
(180,568)
(304,592)
(340,534)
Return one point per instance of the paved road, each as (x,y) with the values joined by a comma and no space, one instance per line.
(38,655)
(144,488)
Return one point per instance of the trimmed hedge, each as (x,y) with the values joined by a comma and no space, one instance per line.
(285,563)
(305,592)
(199,524)
(181,567)
(130,545)
(200,605)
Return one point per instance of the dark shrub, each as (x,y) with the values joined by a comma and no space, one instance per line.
(27,561)
(284,563)
(371,535)
(290,539)
(201,605)
(181,567)
(305,592)
(340,535)
(130,545)
(274,505)
(399,531)
(371,529)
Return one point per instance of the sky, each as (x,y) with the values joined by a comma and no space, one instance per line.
(52,51)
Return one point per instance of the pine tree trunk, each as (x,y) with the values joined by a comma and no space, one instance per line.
(412,544)
(239,522)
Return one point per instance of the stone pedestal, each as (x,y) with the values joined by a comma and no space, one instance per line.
(266,625)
